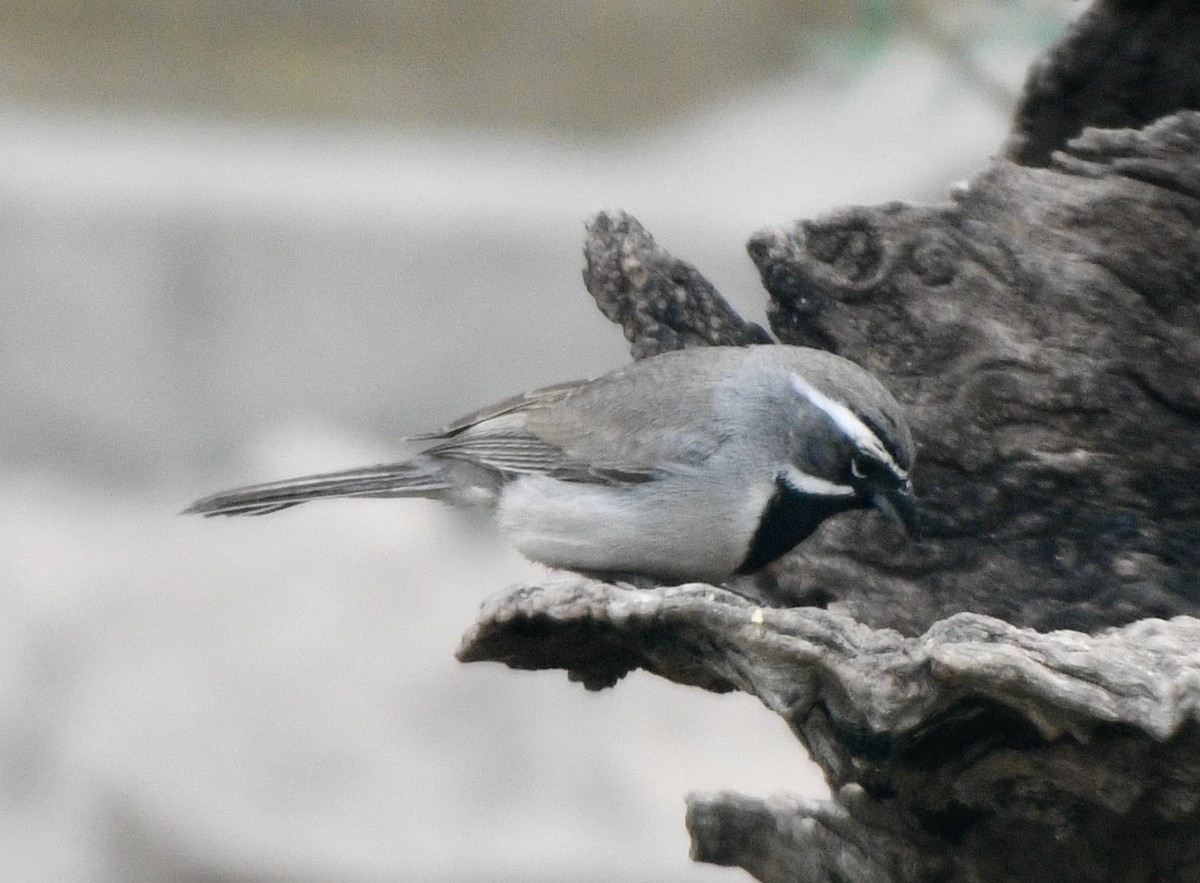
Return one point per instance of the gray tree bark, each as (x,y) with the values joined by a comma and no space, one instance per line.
(1041,330)
(978,751)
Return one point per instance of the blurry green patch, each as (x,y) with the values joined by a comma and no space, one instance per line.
(580,67)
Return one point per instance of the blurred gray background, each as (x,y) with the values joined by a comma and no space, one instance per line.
(241,240)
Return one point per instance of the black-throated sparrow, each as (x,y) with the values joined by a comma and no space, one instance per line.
(695,465)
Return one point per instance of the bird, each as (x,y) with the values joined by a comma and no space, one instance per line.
(702,464)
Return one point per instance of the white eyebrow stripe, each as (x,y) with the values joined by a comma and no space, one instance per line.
(811,484)
(849,423)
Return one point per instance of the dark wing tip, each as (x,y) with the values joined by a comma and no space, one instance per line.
(222,504)
(215,504)
(199,507)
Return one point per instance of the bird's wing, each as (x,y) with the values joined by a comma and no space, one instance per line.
(664,413)
(628,426)
(518,403)
(496,437)
(505,444)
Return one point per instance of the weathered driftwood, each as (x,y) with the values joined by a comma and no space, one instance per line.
(1043,332)
(1121,64)
(660,302)
(1041,329)
(977,751)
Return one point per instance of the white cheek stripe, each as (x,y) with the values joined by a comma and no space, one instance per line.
(857,431)
(811,484)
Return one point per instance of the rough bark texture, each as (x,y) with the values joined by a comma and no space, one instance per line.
(1122,64)
(660,302)
(978,751)
(1041,330)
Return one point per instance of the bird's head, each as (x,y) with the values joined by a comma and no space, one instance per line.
(853,448)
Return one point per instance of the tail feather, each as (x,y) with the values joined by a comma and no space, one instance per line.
(409,479)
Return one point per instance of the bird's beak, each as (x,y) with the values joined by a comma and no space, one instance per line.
(899,505)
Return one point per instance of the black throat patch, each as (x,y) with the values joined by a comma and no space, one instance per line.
(790,516)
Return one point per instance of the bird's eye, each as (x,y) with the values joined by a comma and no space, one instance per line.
(857,468)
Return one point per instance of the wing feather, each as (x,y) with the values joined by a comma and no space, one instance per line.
(504,444)
(627,427)
(411,478)
(538,398)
